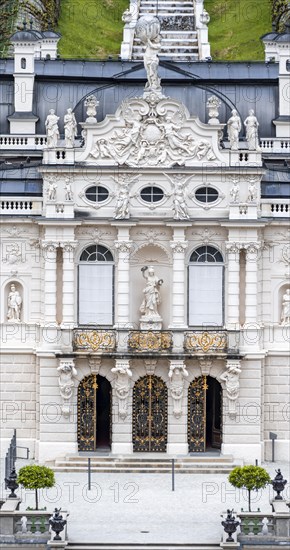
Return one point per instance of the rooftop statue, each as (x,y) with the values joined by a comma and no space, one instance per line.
(148,31)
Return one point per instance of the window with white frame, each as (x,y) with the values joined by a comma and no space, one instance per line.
(205,287)
(96,280)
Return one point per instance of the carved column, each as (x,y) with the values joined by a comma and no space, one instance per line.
(177,419)
(67,372)
(179,300)
(252,256)
(231,377)
(122,385)
(233,303)
(68,282)
(49,251)
(122,293)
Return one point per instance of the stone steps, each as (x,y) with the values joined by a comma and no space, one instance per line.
(185,465)
(132,546)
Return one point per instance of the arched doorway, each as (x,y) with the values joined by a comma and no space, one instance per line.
(94,414)
(150,415)
(204,414)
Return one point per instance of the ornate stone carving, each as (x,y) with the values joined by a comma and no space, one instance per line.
(149,341)
(234,126)
(70,128)
(213,104)
(127,16)
(233,247)
(94,233)
(14,303)
(13,254)
(151,299)
(179,183)
(91,104)
(177,373)
(205,341)
(153,133)
(252,135)
(148,31)
(124,246)
(204,17)
(122,385)
(231,379)
(94,340)
(68,193)
(285,315)
(150,366)
(49,246)
(95,364)
(67,372)
(179,247)
(123,196)
(205,366)
(151,235)
(52,131)
(206,235)
(68,246)
(235,193)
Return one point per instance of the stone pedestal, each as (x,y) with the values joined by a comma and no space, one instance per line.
(151,323)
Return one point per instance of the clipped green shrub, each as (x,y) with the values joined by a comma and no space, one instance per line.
(251,478)
(36,477)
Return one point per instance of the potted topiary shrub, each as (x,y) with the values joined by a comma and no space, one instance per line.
(36,477)
(251,478)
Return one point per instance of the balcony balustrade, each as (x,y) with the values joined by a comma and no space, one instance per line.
(103,341)
(150,341)
(203,341)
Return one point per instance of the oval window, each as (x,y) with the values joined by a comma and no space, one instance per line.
(96,193)
(152,194)
(206,194)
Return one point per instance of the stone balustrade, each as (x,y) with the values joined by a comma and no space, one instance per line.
(20,527)
(30,206)
(275,145)
(31,143)
(275,208)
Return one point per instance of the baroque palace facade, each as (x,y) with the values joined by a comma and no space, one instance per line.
(145,252)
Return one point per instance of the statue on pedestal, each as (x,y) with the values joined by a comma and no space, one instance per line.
(14,303)
(252,136)
(285,316)
(234,126)
(52,131)
(252,192)
(149,307)
(70,128)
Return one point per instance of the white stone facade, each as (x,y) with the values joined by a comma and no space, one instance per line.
(150,186)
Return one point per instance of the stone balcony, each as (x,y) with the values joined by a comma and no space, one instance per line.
(19,206)
(22,142)
(161,342)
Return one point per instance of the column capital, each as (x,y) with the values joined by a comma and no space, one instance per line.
(123,246)
(50,246)
(252,247)
(68,246)
(178,247)
(233,247)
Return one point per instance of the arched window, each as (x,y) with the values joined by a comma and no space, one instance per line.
(23,63)
(96,275)
(205,284)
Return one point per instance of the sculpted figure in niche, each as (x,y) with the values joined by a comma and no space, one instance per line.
(122,386)
(234,126)
(51,189)
(14,305)
(285,317)
(252,192)
(235,192)
(252,136)
(151,300)
(68,190)
(176,376)
(70,128)
(52,131)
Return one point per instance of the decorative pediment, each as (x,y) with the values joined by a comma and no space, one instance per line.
(152,131)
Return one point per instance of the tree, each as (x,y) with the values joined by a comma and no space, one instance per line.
(36,477)
(250,477)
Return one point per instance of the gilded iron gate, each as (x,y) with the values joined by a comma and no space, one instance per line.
(150,415)
(197,415)
(94,415)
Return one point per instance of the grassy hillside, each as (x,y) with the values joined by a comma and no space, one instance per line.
(235,28)
(93,29)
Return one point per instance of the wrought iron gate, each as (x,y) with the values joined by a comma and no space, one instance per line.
(150,415)
(198,422)
(87,412)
